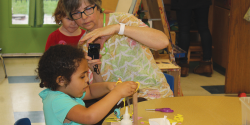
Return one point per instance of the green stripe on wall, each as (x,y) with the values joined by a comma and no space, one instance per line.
(21,39)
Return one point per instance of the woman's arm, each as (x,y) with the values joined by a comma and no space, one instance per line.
(91,64)
(96,90)
(150,37)
(97,77)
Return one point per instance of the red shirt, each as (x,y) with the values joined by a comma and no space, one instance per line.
(57,37)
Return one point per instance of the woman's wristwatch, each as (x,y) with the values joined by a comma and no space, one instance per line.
(122,28)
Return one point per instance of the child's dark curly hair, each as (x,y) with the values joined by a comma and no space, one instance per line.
(58,60)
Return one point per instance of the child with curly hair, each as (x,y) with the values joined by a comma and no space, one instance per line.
(63,71)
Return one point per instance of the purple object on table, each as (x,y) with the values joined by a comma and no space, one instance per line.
(161,110)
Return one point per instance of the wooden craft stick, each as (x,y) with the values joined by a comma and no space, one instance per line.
(135,109)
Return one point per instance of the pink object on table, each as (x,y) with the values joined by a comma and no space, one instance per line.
(161,110)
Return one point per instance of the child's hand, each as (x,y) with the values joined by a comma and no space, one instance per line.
(126,88)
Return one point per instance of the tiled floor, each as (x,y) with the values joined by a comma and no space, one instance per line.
(19,97)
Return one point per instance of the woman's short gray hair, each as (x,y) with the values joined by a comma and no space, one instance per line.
(72,5)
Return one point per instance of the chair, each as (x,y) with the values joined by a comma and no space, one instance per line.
(170,80)
(195,52)
(197,55)
(23,121)
(3,63)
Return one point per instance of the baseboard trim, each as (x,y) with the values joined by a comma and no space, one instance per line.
(22,54)
(219,68)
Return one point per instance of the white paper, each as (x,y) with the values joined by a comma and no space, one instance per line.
(159,121)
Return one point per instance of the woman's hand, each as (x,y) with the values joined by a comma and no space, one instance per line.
(92,63)
(100,35)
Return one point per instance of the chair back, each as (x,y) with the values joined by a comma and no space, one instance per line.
(23,121)
(170,80)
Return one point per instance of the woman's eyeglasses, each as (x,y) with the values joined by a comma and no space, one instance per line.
(88,11)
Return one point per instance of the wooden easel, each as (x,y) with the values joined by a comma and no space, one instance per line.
(152,10)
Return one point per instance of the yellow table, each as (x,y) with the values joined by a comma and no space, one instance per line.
(196,110)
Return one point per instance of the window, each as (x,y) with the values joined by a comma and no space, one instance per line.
(20,11)
(49,8)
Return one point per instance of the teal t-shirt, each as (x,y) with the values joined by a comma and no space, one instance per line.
(56,106)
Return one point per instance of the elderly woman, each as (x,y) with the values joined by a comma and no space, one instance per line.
(125,42)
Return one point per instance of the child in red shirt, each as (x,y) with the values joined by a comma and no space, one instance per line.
(68,33)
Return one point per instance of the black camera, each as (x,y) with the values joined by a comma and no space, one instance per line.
(94,50)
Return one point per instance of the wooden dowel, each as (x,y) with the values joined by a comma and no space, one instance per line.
(135,109)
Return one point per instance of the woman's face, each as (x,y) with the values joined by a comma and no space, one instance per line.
(88,22)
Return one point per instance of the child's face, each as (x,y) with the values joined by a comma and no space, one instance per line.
(89,22)
(69,25)
(79,80)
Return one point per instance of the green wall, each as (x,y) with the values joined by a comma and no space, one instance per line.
(21,39)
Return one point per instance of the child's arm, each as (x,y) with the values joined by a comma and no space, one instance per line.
(100,109)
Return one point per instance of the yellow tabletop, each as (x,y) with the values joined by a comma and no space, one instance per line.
(196,110)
